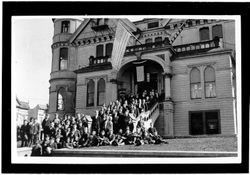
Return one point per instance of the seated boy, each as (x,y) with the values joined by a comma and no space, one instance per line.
(129,139)
(119,139)
(103,140)
(93,139)
(111,138)
(158,139)
(68,143)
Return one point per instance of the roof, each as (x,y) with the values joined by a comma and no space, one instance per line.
(22,104)
(94,68)
(125,21)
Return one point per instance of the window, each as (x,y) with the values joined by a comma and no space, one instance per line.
(63,59)
(65,27)
(153,25)
(90,93)
(204,34)
(148,41)
(217,31)
(209,78)
(60,99)
(204,122)
(195,83)
(99,50)
(158,39)
(109,48)
(101,92)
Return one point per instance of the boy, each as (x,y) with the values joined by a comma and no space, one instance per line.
(103,141)
(93,139)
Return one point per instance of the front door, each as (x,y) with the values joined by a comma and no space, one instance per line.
(150,83)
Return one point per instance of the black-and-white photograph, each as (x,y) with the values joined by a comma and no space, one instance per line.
(125,87)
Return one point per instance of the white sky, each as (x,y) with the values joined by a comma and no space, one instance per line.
(32,56)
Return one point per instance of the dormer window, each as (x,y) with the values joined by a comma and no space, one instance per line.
(65,27)
(153,25)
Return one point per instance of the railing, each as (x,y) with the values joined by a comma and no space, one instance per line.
(204,45)
(147,46)
(98,60)
(154,113)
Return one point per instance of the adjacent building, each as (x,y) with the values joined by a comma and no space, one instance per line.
(38,112)
(191,63)
(22,109)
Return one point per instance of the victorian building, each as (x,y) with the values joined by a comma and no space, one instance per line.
(191,63)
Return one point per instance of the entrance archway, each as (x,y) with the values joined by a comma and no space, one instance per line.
(137,76)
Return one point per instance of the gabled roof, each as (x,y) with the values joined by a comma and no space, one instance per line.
(79,29)
(83,25)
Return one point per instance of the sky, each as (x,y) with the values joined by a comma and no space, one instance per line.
(32,58)
(32,39)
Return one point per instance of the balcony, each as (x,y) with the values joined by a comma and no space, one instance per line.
(98,60)
(148,47)
(199,47)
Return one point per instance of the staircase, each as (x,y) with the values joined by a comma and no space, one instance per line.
(153,114)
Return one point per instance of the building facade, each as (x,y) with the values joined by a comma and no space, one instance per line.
(22,111)
(191,63)
(38,112)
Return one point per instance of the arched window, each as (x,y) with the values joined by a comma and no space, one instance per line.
(204,34)
(195,83)
(99,50)
(61,99)
(109,48)
(101,92)
(90,93)
(209,78)
(63,59)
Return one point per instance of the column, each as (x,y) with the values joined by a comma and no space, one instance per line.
(168,107)
(168,118)
(167,82)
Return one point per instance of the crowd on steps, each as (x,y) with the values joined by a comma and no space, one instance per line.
(122,122)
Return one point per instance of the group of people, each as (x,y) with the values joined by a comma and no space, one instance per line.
(122,122)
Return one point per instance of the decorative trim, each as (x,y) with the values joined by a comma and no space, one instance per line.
(55,79)
(201,64)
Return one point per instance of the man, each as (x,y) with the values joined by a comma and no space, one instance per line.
(37,130)
(96,122)
(31,132)
(24,133)
(46,125)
